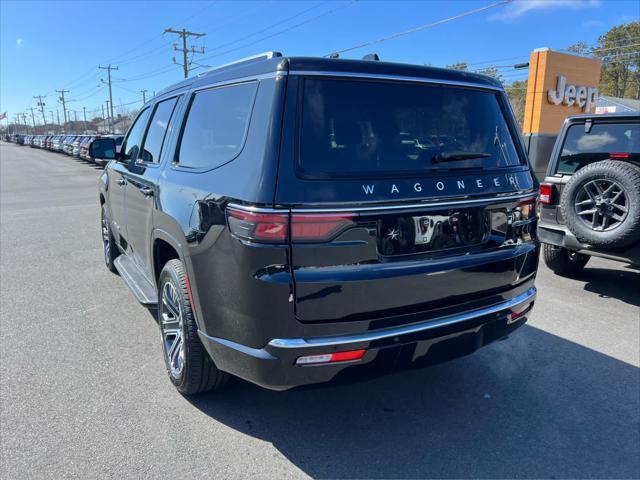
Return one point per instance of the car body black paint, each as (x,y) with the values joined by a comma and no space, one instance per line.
(246,294)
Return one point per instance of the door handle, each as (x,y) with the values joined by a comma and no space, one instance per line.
(146,191)
(122,181)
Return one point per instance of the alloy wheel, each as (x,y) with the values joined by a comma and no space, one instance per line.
(171,319)
(106,243)
(602,205)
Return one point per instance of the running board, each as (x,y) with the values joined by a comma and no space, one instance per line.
(144,291)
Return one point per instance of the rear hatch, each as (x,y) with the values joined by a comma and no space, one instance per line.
(405,197)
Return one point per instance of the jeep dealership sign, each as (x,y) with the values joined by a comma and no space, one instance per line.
(581,96)
(560,84)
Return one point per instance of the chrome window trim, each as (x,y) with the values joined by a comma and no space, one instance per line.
(386,207)
(380,76)
(526,297)
(238,80)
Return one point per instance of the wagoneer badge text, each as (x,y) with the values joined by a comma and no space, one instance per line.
(448,186)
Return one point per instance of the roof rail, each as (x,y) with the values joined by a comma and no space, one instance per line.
(260,56)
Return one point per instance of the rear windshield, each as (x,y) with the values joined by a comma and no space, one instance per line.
(582,148)
(356,128)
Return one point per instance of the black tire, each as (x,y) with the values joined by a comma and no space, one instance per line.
(563,261)
(627,178)
(198,373)
(109,248)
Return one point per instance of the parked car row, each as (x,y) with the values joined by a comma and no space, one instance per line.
(72,145)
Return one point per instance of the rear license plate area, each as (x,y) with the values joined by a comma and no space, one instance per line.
(404,234)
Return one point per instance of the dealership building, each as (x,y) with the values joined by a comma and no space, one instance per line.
(560,85)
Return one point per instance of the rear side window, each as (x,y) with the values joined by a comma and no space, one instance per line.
(157,131)
(357,127)
(216,126)
(581,148)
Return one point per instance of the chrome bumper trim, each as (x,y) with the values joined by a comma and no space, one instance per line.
(526,297)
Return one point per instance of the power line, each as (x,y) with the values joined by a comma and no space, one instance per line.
(304,22)
(306,10)
(421,27)
(593,49)
(146,54)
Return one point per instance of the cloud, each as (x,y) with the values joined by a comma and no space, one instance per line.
(520,8)
(19,42)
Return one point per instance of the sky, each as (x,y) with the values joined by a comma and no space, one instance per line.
(54,45)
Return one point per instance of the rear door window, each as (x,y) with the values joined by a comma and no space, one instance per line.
(157,131)
(216,126)
(581,148)
(362,128)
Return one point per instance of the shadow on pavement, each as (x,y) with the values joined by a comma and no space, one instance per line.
(609,283)
(535,405)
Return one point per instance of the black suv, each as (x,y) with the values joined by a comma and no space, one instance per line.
(590,198)
(296,220)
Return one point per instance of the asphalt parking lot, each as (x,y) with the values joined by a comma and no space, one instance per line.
(84,393)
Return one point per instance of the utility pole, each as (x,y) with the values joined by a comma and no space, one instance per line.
(109,116)
(84,112)
(64,105)
(58,115)
(144,96)
(108,69)
(185,50)
(33,117)
(41,105)
(52,120)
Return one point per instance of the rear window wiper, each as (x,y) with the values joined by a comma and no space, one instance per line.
(452,156)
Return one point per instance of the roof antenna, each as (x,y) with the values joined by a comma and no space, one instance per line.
(371,56)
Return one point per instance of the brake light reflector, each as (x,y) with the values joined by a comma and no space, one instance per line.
(619,155)
(263,227)
(348,356)
(515,314)
(546,193)
(318,227)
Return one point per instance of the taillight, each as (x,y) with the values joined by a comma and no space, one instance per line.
(279,227)
(546,193)
(260,227)
(318,227)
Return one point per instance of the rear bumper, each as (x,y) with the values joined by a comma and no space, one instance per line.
(419,344)
(561,236)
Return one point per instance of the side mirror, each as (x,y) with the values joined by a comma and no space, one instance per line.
(103,149)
